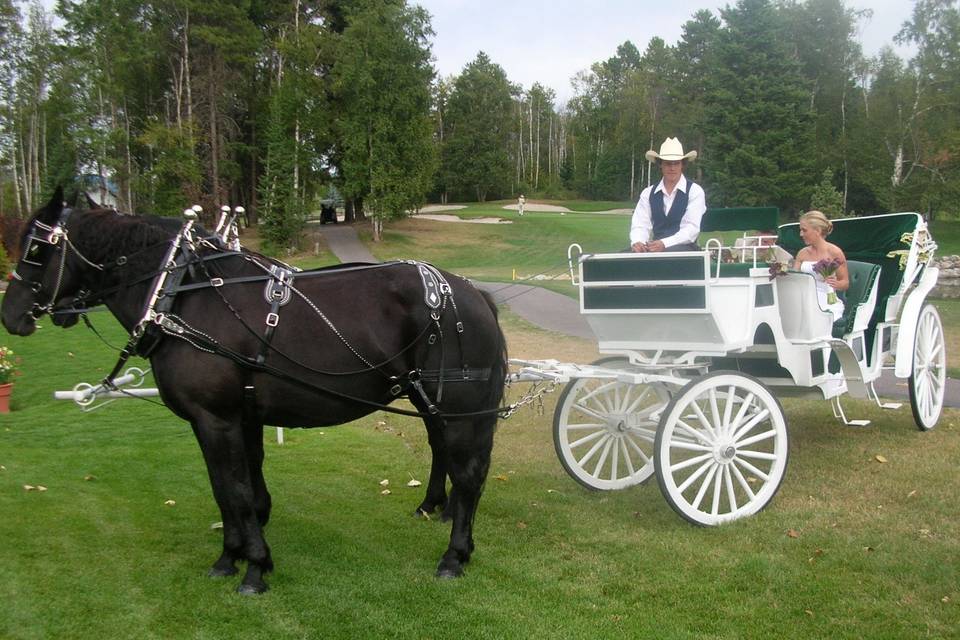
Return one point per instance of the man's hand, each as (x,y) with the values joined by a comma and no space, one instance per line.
(655,246)
(639,247)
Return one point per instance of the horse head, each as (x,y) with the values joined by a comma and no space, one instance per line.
(43,277)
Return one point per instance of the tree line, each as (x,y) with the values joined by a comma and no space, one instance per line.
(276,104)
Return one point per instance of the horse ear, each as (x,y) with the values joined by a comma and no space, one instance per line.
(51,212)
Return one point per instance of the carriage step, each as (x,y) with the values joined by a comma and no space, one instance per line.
(872,392)
(838,413)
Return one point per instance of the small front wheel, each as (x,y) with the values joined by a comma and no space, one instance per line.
(603,430)
(721,450)
(928,380)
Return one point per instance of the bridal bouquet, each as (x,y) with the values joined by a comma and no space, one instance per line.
(827,268)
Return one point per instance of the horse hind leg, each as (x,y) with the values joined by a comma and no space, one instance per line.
(468,445)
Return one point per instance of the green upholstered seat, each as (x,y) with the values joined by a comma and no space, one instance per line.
(740,219)
(862,275)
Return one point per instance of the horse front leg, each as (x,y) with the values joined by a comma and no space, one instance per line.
(469,445)
(436,495)
(224,450)
(253,442)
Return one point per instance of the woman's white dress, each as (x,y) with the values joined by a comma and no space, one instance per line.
(823,289)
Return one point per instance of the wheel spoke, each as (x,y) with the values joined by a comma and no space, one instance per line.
(626,457)
(693,477)
(744,406)
(584,425)
(742,481)
(603,457)
(648,435)
(689,462)
(697,435)
(728,409)
(715,411)
(703,487)
(588,411)
(689,446)
(632,407)
(704,421)
(728,481)
(754,420)
(636,447)
(756,454)
(752,469)
(757,438)
(588,438)
(717,481)
(615,460)
(593,450)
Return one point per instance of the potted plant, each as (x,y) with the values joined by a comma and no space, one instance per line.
(8,370)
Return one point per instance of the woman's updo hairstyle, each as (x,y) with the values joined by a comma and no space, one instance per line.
(818,221)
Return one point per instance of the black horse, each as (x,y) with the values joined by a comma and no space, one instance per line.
(234,345)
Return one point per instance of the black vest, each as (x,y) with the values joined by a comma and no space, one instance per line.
(665,224)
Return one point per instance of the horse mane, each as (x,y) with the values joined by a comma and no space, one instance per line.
(106,234)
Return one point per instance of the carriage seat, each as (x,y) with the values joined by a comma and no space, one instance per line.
(860,298)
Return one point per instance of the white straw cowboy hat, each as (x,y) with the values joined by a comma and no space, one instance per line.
(671,149)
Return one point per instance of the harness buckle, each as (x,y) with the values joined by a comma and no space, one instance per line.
(459,327)
(216,282)
(272,319)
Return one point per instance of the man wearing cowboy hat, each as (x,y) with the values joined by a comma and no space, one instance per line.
(667,217)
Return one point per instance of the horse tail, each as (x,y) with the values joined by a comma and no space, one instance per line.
(498,370)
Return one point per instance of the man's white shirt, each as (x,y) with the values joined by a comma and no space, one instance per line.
(641,225)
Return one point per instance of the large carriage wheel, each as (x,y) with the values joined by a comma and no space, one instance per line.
(928,380)
(721,450)
(603,430)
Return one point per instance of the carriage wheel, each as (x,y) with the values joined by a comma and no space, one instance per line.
(721,450)
(603,430)
(928,380)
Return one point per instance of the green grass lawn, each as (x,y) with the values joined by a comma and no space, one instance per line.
(850,548)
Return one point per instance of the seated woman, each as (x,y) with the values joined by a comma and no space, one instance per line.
(825,261)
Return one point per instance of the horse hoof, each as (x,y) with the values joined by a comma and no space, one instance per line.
(252,590)
(449,570)
(218,572)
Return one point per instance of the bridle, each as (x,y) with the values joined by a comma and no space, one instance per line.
(42,235)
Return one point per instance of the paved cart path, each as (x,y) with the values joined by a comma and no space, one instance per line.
(557,312)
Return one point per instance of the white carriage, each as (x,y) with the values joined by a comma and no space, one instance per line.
(699,350)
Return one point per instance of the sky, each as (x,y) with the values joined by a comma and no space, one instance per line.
(549,41)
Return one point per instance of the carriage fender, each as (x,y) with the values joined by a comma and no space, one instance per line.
(909,318)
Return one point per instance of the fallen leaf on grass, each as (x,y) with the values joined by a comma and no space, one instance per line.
(40,487)
(385,492)
(2,468)
(793,533)
(28,487)
(521,525)
(170,503)
(500,477)
(868,549)
(414,483)
(69,354)
(912,493)
(945,599)
(879,458)
(384,482)
(816,554)
(88,478)
(808,612)
(217,525)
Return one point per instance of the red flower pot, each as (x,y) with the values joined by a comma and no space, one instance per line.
(5,391)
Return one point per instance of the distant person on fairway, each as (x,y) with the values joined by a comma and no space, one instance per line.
(668,214)
(520,203)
